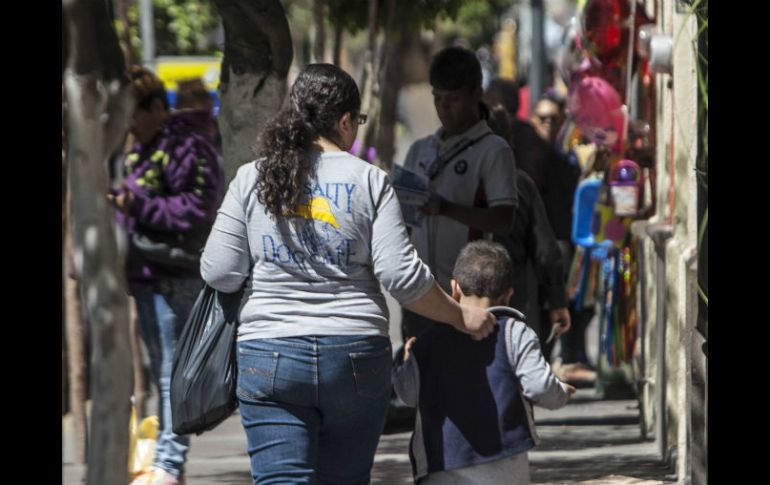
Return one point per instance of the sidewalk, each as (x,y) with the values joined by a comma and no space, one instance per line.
(219,457)
(588,442)
(593,442)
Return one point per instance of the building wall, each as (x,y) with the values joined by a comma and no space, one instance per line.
(676,205)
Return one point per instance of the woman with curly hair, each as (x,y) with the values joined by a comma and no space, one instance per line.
(313,231)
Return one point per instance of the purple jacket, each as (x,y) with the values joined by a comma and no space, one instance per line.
(178,185)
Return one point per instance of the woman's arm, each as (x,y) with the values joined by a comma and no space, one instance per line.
(437,305)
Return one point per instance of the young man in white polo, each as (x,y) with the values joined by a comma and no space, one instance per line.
(471,172)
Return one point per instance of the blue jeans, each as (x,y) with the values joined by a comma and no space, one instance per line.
(162,310)
(313,407)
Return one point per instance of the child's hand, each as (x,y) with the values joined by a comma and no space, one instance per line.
(570,389)
(407,346)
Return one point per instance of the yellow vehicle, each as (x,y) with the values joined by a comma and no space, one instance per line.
(172,69)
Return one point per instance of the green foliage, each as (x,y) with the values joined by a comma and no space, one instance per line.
(181,26)
(476,21)
(354,14)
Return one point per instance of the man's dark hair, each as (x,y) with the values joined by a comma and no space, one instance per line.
(454,68)
(483,269)
(505,92)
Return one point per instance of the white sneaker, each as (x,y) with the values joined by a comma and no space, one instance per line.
(145,478)
(162,477)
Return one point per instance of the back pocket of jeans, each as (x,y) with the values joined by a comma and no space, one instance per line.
(256,374)
(371,371)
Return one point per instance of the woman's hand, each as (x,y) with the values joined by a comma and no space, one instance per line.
(121,199)
(477,322)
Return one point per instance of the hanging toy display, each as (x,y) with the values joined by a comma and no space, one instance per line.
(599,60)
(606,29)
(571,52)
(598,112)
(625,181)
(618,203)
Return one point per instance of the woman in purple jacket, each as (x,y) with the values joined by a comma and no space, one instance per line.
(172,188)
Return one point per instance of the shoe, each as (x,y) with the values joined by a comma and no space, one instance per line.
(162,477)
(145,477)
(158,476)
(579,376)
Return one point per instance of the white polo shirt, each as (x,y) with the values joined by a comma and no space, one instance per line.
(482,173)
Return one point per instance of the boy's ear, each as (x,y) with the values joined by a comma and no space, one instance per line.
(505,298)
(456,291)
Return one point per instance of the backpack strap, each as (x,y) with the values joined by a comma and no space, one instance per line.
(440,162)
(506,311)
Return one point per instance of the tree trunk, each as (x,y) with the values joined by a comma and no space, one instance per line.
(258,54)
(64,377)
(140,386)
(319,40)
(98,112)
(396,43)
(125,37)
(369,85)
(64,58)
(76,359)
(388,104)
(338,31)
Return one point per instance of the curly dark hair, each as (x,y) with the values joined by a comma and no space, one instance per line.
(319,97)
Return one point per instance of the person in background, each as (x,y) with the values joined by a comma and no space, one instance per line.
(171,189)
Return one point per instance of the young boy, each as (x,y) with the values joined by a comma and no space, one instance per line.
(474,399)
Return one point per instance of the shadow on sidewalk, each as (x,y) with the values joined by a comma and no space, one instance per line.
(586,469)
(225,478)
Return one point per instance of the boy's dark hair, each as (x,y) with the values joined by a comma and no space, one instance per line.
(454,68)
(483,269)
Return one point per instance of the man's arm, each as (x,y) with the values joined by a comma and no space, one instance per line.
(488,219)
(549,263)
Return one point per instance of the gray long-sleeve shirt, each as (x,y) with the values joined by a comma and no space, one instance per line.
(317,272)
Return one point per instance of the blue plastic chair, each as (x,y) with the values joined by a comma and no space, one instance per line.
(586,195)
